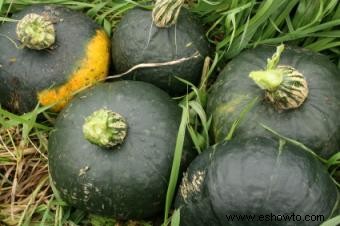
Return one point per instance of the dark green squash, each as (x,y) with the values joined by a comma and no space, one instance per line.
(137,40)
(78,56)
(254,177)
(127,180)
(314,121)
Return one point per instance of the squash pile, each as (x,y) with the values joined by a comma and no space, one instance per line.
(293,94)
(112,147)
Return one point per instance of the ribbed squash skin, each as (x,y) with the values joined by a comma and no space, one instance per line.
(130,180)
(137,40)
(79,58)
(253,177)
(316,123)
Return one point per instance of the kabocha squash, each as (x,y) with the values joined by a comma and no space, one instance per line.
(48,55)
(144,37)
(296,94)
(253,178)
(112,148)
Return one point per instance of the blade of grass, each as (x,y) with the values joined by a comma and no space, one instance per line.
(22,120)
(175,219)
(333,160)
(176,160)
(195,138)
(241,117)
(277,22)
(203,118)
(26,216)
(332,222)
(46,213)
(297,34)
(294,142)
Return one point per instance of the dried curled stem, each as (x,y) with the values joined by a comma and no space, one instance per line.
(165,12)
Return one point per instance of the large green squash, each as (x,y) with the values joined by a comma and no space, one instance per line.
(125,177)
(253,178)
(314,121)
(66,52)
(138,40)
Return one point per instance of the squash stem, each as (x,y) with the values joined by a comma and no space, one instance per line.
(273,62)
(271,78)
(105,128)
(165,12)
(267,80)
(285,87)
(36,31)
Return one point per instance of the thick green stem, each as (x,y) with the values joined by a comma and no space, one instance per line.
(268,80)
(36,31)
(274,61)
(285,87)
(105,128)
(165,12)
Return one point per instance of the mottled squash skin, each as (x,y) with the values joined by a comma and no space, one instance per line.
(138,40)
(254,177)
(79,58)
(130,180)
(315,123)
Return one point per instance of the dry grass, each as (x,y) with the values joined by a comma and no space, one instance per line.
(24,184)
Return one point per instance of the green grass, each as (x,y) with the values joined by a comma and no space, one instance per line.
(27,197)
(237,24)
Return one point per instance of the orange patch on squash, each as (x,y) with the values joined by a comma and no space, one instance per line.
(92,69)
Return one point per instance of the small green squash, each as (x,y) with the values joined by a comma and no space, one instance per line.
(112,148)
(256,177)
(138,39)
(51,53)
(296,94)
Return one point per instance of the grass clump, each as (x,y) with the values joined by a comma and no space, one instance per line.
(24,186)
(238,24)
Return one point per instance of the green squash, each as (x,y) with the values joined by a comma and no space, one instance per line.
(66,53)
(125,177)
(313,121)
(138,40)
(254,177)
